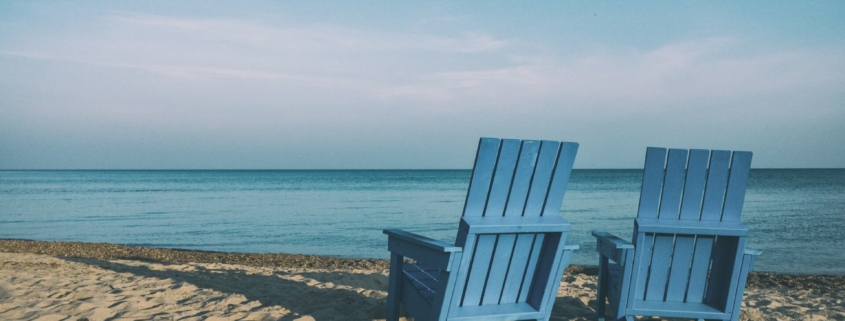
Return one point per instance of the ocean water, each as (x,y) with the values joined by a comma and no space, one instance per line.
(795,216)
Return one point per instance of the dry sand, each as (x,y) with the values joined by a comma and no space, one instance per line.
(97,284)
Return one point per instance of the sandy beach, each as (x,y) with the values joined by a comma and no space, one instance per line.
(94,282)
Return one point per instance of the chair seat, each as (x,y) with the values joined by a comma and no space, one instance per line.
(424,278)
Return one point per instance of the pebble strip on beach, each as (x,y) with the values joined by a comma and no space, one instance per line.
(821,284)
(106,251)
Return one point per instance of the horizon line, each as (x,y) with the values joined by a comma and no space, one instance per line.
(329,169)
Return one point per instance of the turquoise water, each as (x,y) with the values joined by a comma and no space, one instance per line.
(795,216)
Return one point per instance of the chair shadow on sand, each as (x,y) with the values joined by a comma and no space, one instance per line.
(322,295)
(565,308)
(297,296)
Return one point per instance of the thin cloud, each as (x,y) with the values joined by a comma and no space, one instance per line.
(314,38)
(182,71)
(708,69)
(209,49)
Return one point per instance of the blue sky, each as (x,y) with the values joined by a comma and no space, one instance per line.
(245,85)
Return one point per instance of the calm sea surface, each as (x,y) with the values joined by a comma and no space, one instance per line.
(797,217)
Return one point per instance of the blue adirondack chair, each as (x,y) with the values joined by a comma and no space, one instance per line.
(688,257)
(510,251)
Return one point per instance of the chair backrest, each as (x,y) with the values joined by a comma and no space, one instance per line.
(694,185)
(689,189)
(511,178)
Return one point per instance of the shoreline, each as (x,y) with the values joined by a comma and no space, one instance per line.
(73,281)
(109,251)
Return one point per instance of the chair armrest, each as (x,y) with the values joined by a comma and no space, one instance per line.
(753,252)
(612,247)
(691,227)
(504,224)
(432,252)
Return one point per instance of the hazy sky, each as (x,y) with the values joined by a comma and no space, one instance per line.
(358,84)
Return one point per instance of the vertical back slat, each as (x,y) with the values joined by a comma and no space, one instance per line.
(641,265)
(682,176)
(478,270)
(682,261)
(717,180)
(463,272)
(660,260)
(673,184)
(735,196)
(699,268)
(498,269)
(565,160)
(514,207)
(516,270)
(721,273)
(679,273)
(694,185)
(522,177)
(531,268)
(546,161)
(733,264)
(482,175)
(655,158)
(501,186)
(479,183)
(546,280)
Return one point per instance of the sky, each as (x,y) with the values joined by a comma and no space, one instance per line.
(413,85)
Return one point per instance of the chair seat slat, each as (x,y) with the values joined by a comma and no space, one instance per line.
(423,278)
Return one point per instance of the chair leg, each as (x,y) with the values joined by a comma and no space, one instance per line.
(601,297)
(394,288)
